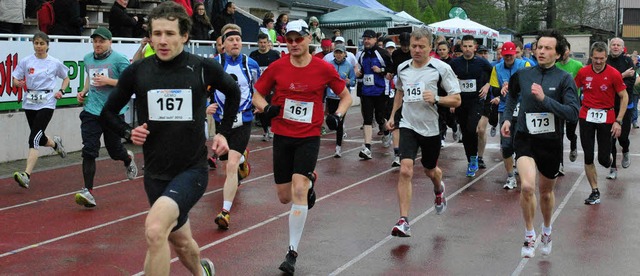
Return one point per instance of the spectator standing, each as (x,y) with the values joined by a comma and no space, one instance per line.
(268,29)
(281,26)
(12,14)
(314,28)
(201,29)
(226,17)
(68,19)
(121,24)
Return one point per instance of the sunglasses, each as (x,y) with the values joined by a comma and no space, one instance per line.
(298,40)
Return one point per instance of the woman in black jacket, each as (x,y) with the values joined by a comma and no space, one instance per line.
(121,24)
(201,29)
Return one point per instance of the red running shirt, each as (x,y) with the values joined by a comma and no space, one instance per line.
(599,89)
(297,89)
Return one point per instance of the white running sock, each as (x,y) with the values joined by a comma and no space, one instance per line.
(546,230)
(227,205)
(531,233)
(297,219)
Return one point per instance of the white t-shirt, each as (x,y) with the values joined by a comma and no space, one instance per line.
(417,114)
(41,75)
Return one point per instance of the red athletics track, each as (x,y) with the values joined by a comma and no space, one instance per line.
(348,231)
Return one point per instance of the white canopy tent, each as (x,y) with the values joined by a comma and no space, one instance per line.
(460,27)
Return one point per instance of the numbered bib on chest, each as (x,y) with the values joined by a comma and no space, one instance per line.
(97,72)
(598,116)
(413,92)
(298,111)
(170,105)
(367,79)
(37,96)
(539,123)
(468,85)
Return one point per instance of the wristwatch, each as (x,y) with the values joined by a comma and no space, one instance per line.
(437,99)
(127,134)
(619,122)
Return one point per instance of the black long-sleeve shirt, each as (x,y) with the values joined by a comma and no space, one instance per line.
(561,98)
(172,146)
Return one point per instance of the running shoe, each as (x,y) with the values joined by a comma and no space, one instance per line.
(528,249)
(338,153)
(396,161)
(481,164)
(546,245)
(323,131)
(365,153)
(401,229)
(311,194)
(386,140)
(265,137)
(244,169)
(222,219)
(22,178)
(613,174)
(289,264)
(573,155)
(85,198)
(443,143)
(511,184)
(441,201)
(212,162)
(594,198)
(474,163)
(635,125)
(132,169)
(493,131)
(626,162)
(59,147)
(470,171)
(208,267)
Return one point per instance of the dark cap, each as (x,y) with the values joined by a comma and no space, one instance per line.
(404,39)
(102,32)
(369,33)
(457,48)
(341,48)
(482,48)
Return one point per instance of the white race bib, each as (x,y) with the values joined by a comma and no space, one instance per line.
(598,116)
(413,92)
(97,72)
(539,123)
(516,110)
(170,105)
(367,79)
(237,122)
(468,85)
(298,111)
(37,96)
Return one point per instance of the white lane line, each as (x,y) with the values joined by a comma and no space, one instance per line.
(556,213)
(265,222)
(413,221)
(128,217)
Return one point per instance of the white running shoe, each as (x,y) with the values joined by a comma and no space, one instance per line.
(338,153)
(396,161)
(386,140)
(401,229)
(85,198)
(511,184)
(132,169)
(528,249)
(613,174)
(441,201)
(626,162)
(59,147)
(365,153)
(546,245)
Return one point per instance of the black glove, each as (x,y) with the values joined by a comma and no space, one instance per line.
(271,111)
(333,121)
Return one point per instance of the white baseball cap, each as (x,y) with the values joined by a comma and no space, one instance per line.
(339,38)
(298,26)
(390,44)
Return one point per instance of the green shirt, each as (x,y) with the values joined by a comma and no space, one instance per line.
(572,67)
(112,66)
